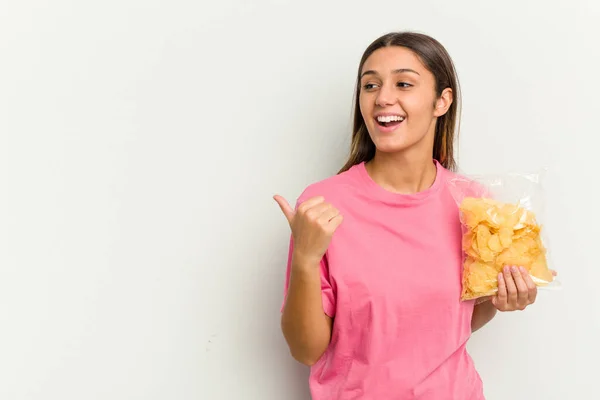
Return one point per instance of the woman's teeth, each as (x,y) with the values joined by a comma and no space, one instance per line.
(390,118)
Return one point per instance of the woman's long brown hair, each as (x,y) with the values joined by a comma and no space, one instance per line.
(437,60)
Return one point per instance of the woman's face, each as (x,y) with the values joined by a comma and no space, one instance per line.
(398,101)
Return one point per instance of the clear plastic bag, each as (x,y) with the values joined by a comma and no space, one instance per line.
(501,218)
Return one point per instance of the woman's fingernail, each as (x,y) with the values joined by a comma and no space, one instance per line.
(524,270)
(506,269)
(514,268)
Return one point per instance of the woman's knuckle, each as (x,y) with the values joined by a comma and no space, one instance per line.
(524,294)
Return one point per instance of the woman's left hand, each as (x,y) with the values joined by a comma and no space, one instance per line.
(516,289)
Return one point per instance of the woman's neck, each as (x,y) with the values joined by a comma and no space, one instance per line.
(402,173)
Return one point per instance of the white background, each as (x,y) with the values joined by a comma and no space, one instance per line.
(142,255)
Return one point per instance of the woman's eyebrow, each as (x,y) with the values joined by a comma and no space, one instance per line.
(401,70)
(396,71)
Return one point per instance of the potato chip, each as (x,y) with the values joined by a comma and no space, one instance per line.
(498,234)
(539,269)
(483,236)
(506,237)
(486,254)
(482,277)
(494,243)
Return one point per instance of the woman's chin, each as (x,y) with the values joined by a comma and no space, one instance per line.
(390,146)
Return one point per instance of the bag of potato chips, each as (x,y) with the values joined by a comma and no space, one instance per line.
(501,225)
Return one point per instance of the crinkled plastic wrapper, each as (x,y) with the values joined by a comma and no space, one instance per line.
(501,225)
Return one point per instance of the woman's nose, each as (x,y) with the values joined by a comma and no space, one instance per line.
(385,97)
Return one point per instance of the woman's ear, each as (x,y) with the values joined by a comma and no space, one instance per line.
(442,104)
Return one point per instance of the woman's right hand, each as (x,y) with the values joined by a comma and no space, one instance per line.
(312,225)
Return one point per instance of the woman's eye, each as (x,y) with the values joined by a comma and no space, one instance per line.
(369,86)
(404,84)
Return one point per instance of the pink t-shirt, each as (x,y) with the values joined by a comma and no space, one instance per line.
(391,279)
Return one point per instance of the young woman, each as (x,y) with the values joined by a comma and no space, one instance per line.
(374,270)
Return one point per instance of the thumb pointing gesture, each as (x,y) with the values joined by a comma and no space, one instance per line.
(287,210)
(312,226)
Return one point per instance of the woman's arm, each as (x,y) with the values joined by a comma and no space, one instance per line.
(483,313)
(305,326)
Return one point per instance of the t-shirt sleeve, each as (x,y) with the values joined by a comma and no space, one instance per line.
(327,290)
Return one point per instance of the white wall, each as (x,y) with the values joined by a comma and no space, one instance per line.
(142,140)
